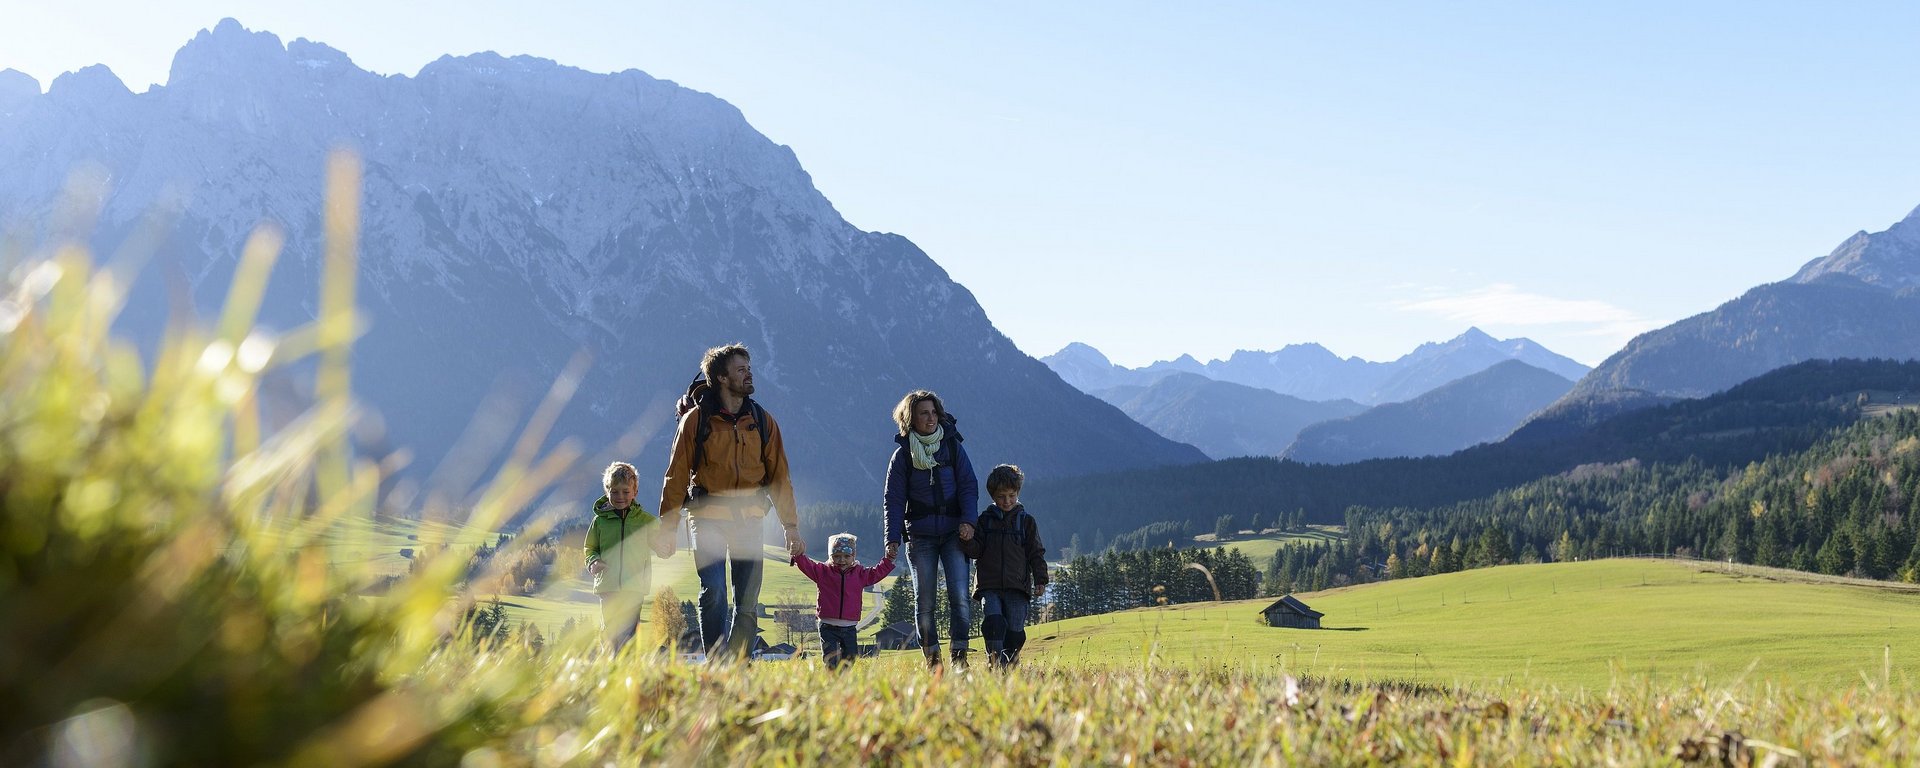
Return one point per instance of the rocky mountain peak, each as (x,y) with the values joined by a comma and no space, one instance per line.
(95,84)
(1888,260)
(16,88)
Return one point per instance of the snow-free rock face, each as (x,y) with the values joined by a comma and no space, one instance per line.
(515,212)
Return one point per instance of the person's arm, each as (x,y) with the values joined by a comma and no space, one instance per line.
(969,490)
(874,574)
(592,547)
(680,469)
(813,569)
(780,486)
(1036,557)
(972,546)
(895,499)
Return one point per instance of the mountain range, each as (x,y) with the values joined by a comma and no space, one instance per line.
(1312,372)
(1221,418)
(1860,301)
(1481,408)
(515,212)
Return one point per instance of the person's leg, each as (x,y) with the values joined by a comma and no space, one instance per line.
(923,555)
(1017,607)
(993,625)
(747,559)
(845,644)
(830,646)
(710,562)
(959,596)
(621,612)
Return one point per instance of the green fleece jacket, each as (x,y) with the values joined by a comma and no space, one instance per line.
(621,538)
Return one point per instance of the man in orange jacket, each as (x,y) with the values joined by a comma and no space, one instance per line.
(728,466)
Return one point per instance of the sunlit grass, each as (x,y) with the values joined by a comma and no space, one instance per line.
(180,585)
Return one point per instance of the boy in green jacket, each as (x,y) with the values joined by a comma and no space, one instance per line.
(620,547)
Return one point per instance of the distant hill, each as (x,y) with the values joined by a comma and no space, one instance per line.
(1860,301)
(1783,411)
(1223,419)
(1479,408)
(1311,372)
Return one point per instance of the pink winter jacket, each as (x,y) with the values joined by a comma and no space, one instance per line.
(840,590)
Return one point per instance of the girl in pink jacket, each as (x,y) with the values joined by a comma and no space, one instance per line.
(842,581)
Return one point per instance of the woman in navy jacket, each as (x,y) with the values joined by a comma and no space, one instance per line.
(933,502)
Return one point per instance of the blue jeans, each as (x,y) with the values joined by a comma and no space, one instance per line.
(925,553)
(1005,627)
(720,546)
(838,645)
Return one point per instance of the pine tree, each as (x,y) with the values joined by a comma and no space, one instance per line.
(899,602)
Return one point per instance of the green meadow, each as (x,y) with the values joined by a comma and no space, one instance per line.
(1260,547)
(1553,626)
(178,588)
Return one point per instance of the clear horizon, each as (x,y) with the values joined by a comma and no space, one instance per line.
(1158,181)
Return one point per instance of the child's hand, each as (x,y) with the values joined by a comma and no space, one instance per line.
(966,532)
(598,567)
(663,546)
(893,549)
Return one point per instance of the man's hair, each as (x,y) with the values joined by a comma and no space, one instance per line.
(1005,476)
(903,413)
(714,363)
(619,472)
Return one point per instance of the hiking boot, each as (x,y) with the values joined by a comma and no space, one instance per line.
(959,659)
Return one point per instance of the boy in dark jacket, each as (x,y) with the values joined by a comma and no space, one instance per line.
(1012,568)
(843,583)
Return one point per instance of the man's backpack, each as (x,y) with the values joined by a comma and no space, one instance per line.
(693,399)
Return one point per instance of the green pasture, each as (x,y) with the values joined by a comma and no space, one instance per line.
(572,597)
(1562,625)
(1260,547)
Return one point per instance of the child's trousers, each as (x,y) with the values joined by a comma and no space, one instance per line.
(1005,627)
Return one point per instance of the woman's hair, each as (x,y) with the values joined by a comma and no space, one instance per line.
(618,472)
(903,413)
(714,362)
(1005,476)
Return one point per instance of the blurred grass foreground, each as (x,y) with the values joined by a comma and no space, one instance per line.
(163,602)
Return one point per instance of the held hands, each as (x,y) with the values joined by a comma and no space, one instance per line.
(966,532)
(663,544)
(796,546)
(597,567)
(893,549)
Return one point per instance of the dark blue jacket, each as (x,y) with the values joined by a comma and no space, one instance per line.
(956,485)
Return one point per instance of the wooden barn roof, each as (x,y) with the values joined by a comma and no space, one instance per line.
(1292,604)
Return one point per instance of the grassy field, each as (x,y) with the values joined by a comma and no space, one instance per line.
(1260,547)
(148,617)
(782,584)
(1572,625)
(367,545)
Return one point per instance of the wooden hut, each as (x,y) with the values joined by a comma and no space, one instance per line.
(902,635)
(1289,612)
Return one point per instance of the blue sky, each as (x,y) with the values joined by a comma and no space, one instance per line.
(1154,178)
